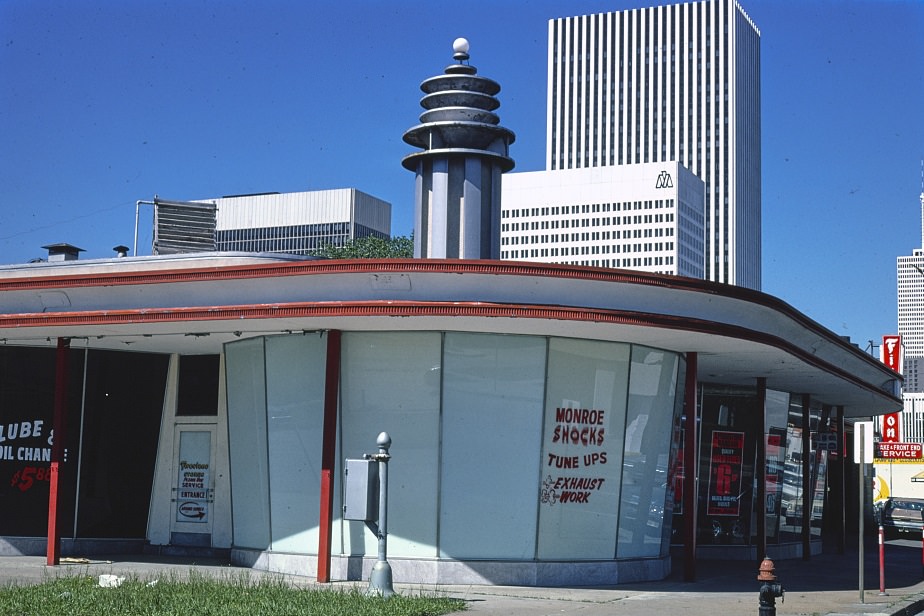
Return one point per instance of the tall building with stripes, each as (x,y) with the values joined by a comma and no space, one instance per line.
(910,278)
(677,83)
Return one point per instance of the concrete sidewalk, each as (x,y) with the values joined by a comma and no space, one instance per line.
(826,584)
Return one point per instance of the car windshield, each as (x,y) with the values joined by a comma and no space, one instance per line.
(907,504)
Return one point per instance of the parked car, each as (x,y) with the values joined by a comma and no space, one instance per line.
(902,515)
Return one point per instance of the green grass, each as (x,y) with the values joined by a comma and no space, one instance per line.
(199,595)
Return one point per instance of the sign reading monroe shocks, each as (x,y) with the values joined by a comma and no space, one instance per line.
(573,453)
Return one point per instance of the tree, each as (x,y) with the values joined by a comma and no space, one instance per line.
(400,247)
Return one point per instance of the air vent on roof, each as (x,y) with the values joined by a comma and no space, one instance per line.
(62,252)
(183,226)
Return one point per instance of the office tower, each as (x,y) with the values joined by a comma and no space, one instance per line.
(910,274)
(663,84)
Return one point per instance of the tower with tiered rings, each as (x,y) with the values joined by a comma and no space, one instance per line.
(465,151)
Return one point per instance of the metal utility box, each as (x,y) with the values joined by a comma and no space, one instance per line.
(361,490)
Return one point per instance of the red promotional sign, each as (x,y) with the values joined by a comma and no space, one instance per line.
(891,355)
(725,473)
(891,352)
(891,451)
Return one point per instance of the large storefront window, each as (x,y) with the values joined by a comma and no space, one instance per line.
(295,368)
(492,430)
(778,450)
(391,381)
(728,447)
(729,427)
(246,378)
(651,438)
(792,489)
(275,421)
(27,390)
(818,471)
(582,450)
(113,419)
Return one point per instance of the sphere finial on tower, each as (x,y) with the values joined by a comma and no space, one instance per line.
(460,49)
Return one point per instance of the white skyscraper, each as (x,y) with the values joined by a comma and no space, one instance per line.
(678,83)
(910,274)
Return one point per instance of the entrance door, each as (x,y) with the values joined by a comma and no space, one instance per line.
(194,485)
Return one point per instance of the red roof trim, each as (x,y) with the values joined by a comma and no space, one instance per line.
(445,266)
(353,266)
(416,309)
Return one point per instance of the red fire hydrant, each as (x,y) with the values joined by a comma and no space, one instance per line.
(770,588)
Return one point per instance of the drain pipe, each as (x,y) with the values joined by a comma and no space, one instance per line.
(138,205)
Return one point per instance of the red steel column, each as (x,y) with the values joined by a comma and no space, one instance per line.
(59,423)
(690,458)
(328,453)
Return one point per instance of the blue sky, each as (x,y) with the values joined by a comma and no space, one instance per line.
(104,102)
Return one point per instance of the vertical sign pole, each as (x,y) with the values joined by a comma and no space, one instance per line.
(380,582)
(862,455)
(881,556)
(861,472)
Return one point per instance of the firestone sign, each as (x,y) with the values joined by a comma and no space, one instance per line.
(891,355)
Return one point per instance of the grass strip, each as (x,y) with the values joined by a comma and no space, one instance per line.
(200,595)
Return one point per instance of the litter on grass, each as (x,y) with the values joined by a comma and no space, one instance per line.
(110,581)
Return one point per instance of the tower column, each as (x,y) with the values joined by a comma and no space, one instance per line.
(465,151)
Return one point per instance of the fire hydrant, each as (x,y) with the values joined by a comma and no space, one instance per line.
(770,588)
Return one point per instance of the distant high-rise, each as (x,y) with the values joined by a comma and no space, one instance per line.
(669,83)
(910,274)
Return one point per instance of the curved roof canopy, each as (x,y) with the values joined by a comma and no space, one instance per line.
(194,304)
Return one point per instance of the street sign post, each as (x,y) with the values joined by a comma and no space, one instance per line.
(862,455)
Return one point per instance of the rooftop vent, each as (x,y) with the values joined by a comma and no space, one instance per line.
(62,252)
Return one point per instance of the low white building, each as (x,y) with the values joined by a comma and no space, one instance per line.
(645,217)
(295,223)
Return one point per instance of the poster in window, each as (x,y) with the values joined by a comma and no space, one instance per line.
(725,466)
